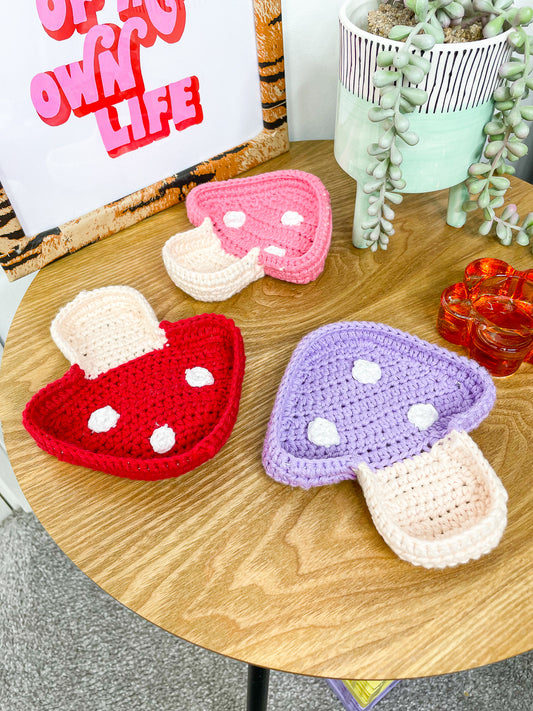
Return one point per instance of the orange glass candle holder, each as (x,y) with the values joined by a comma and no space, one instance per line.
(491,314)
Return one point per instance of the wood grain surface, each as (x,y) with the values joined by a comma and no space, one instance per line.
(237,563)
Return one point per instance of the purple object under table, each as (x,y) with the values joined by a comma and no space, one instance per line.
(348,701)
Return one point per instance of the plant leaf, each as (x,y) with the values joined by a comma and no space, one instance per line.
(516,148)
(485,227)
(455,10)
(374,149)
(384,77)
(384,59)
(511,69)
(395,198)
(479,168)
(401,123)
(493,148)
(372,186)
(420,62)
(410,137)
(477,187)
(494,27)
(435,31)
(424,42)
(501,230)
(401,59)
(421,9)
(414,75)
(376,114)
(395,155)
(399,32)
(500,183)
(414,96)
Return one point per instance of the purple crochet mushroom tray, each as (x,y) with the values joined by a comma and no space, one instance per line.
(363,399)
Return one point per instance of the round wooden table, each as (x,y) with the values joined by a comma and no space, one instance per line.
(230,560)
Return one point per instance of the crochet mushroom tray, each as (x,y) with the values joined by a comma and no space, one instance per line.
(142,399)
(361,399)
(276,223)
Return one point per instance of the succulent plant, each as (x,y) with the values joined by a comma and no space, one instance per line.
(397,79)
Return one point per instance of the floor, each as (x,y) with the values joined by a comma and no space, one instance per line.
(68,646)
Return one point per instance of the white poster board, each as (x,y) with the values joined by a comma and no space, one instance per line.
(104,97)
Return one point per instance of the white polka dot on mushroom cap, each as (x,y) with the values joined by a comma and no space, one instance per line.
(291,218)
(422,415)
(234,218)
(366,371)
(323,432)
(103,419)
(163,439)
(199,377)
(277,251)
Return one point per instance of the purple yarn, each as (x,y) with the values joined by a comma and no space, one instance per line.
(370,418)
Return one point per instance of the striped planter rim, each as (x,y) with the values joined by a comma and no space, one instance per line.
(463,75)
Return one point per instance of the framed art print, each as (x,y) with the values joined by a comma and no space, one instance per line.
(113,110)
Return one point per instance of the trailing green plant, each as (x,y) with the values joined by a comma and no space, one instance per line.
(397,79)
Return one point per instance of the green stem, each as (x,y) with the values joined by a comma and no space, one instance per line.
(396,108)
(518,99)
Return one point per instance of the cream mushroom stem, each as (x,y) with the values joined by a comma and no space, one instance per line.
(106,327)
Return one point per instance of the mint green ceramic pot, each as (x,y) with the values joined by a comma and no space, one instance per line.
(460,85)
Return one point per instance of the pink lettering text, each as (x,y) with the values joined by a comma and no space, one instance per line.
(164,18)
(110,72)
(61,18)
(48,99)
(150,115)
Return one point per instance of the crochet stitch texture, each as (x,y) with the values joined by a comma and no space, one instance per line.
(152,403)
(276,223)
(368,400)
(439,508)
(372,419)
(196,262)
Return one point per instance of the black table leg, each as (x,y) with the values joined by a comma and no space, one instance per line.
(257,688)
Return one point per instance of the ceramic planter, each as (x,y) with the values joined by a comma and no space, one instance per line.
(460,85)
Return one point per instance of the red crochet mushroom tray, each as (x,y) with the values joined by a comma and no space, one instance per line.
(142,399)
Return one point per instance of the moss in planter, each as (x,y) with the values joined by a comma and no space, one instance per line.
(382,20)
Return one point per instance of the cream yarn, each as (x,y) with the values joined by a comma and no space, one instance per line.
(439,508)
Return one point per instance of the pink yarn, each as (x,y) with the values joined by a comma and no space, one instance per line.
(285,213)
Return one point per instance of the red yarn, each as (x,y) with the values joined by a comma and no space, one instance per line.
(147,392)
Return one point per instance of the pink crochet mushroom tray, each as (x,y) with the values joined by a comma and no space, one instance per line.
(142,399)
(363,399)
(276,223)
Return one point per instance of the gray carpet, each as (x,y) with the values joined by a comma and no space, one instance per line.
(67,646)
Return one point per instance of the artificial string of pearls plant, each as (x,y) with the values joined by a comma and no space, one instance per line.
(506,131)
